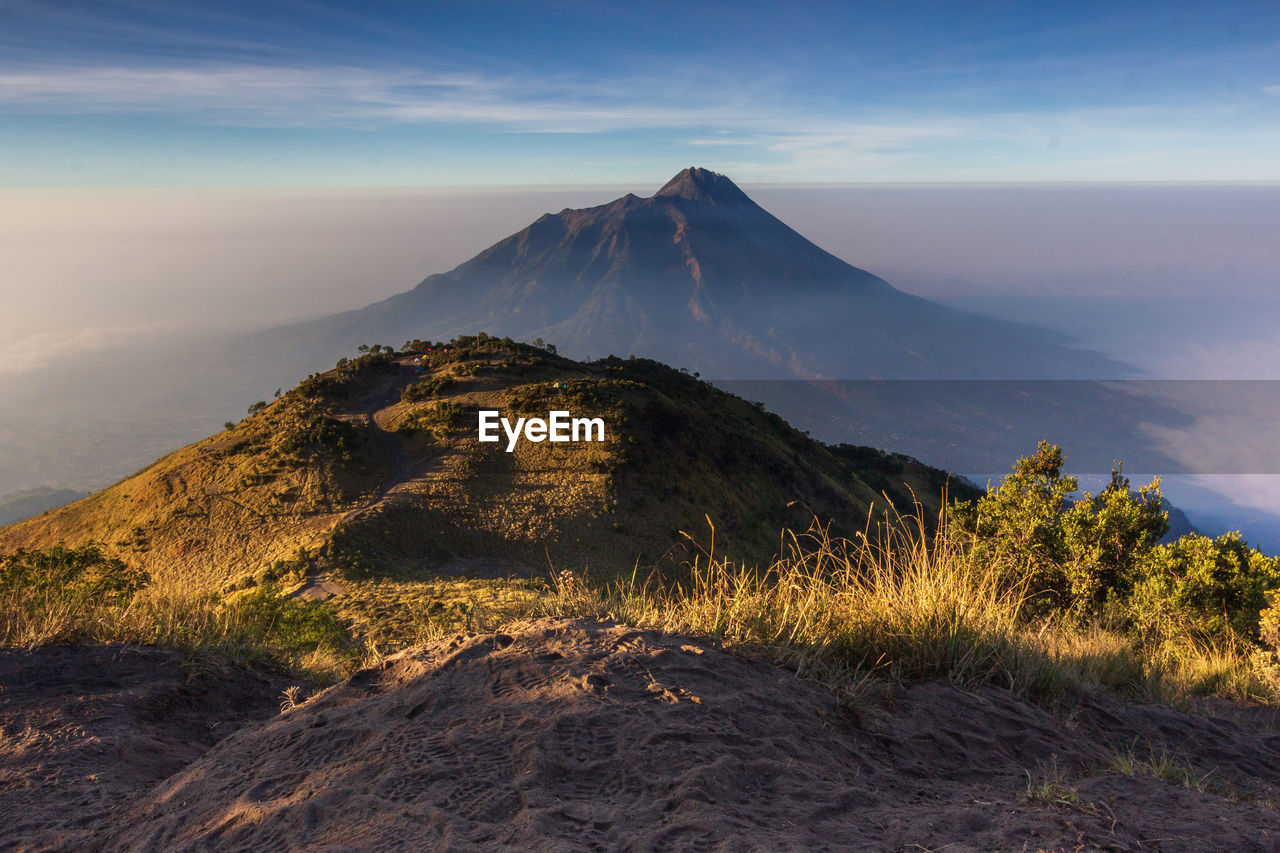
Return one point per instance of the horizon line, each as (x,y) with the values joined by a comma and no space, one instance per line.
(622,185)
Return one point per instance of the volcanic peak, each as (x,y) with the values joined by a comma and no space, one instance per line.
(704,185)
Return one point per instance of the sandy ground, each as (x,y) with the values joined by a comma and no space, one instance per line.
(581,735)
(85,730)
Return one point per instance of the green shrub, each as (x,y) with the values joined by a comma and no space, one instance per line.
(1208,588)
(1016,529)
(427,388)
(65,595)
(319,433)
(82,572)
(284,628)
(1105,537)
(1096,558)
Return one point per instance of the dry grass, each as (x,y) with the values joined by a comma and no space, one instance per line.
(262,627)
(390,615)
(897,602)
(902,603)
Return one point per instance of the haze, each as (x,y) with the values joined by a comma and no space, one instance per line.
(1178,280)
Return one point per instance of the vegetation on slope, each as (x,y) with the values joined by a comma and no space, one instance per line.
(372,470)
(1032,587)
(80,596)
(1019,588)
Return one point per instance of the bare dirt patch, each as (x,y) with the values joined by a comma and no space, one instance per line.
(563,734)
(84,730)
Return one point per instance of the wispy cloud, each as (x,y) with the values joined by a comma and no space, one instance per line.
(265,95)
(273,96)
(269,95)
(766,128)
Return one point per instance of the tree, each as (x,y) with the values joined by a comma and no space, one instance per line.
(1073,554)
(1098,557)
(1106,536)
(1016,529)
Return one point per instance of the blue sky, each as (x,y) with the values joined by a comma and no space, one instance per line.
(380,94)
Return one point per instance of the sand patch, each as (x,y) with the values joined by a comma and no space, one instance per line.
(83,730)
(582,735)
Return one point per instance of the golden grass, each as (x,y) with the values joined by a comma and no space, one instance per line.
(894,604)
(262,627)
(902,603)
(899,602)
(389,615)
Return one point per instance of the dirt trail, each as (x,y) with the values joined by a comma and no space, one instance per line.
(320,585)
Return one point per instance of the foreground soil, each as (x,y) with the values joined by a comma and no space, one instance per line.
(584,735)
(85,730)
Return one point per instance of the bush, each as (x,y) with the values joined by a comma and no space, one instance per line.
(1096,558)
(84,568)
(78,595)
(319,433)
(287,629)
(1106,536)
(1207,588)
(1074,555)
(427,388)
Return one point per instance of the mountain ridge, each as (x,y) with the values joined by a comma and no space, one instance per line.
(373,468)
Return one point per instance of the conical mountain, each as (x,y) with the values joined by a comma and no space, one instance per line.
(700,276)
(375,469)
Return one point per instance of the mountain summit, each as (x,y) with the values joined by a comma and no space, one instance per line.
(703,185)
(700,276)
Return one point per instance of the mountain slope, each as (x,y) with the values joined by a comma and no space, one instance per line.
(700,276)
(374,468)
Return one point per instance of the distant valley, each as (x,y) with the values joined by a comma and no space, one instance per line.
(25,503)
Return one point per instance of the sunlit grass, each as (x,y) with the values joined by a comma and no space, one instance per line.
(262,627)
(894,604)
(902,602)
(389,615)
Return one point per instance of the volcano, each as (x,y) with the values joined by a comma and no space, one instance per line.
(700,276)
